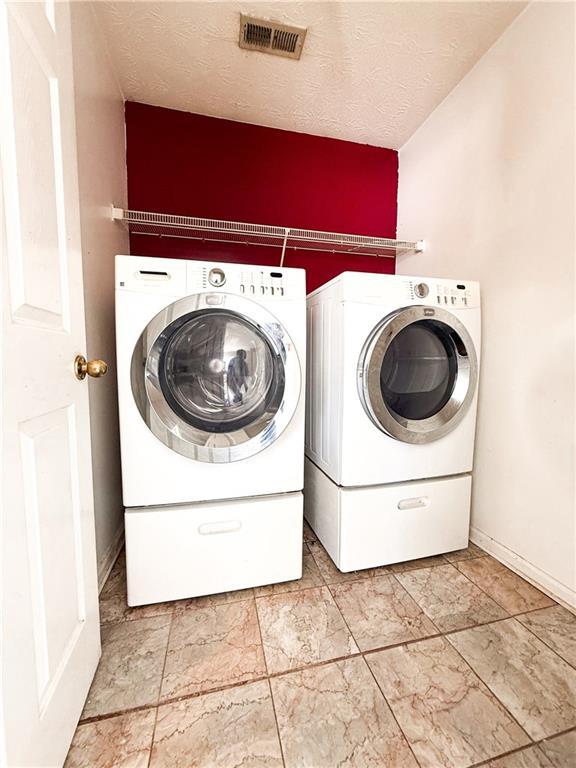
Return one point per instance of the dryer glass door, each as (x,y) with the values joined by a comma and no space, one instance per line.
(216,379)
(418,374)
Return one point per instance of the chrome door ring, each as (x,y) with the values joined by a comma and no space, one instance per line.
(415,431)
(170,428)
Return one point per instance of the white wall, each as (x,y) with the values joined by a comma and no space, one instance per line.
(488,182)
(102,179)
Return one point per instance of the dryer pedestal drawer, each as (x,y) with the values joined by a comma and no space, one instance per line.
(207,548)
(378,525)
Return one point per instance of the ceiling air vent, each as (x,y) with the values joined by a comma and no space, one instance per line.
(271,37)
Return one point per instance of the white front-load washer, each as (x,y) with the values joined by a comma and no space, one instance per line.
(210,362)
(393,367)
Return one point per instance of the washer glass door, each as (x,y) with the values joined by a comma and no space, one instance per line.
(215,378)
(218,372)
(417,374)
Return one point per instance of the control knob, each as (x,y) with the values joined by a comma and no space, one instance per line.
(421,290)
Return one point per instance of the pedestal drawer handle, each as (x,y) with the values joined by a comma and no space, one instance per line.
(227,526)
(416,503)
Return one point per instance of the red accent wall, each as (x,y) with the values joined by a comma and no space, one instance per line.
(204,166)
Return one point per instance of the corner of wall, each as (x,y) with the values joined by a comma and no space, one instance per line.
(101,152)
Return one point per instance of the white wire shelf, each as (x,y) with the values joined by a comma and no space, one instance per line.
(286,238)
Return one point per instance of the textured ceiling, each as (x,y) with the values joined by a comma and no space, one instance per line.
(369,72)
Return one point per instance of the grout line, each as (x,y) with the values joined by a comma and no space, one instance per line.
(536,743)
(160,688)
(553,735)
(407,740)
(494,599)
(116,713)
(276,721)
(218,689)
(371,651)
(288,592)
(506,754)
(554,651)
(131,617)
(315,665)
(261,639)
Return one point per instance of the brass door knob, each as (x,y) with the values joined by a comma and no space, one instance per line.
(95,368)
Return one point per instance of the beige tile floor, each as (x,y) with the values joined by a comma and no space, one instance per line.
(446,662)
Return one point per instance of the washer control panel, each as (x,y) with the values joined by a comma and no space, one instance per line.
(181,277)
(250,281)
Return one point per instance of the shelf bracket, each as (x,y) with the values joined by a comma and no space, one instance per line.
(286,233)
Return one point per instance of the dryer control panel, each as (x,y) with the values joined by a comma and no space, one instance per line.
(443,293)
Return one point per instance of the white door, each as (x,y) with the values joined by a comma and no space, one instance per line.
(50,626)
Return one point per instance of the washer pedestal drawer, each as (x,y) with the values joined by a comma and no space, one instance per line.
(370,526)
(202,549)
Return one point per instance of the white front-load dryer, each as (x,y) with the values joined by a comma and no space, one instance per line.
(211,360)
(393,366)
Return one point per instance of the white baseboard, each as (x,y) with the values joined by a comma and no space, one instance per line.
(548,584)
(107,562)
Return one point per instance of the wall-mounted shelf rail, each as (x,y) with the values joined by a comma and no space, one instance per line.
(286,238)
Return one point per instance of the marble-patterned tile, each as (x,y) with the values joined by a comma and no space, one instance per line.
(335,715)
(422,562)
(556,627)
(450,599)
(116,742)
(130,669)
(503,585)
(308,533)
(464,554)
(311,577)
(380,612)
(532,757)
(330,572)
(447,714)
(113,605)
(533,682)
(205,601)
(302,628)
(212,647)
(224,729)
(561,750)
